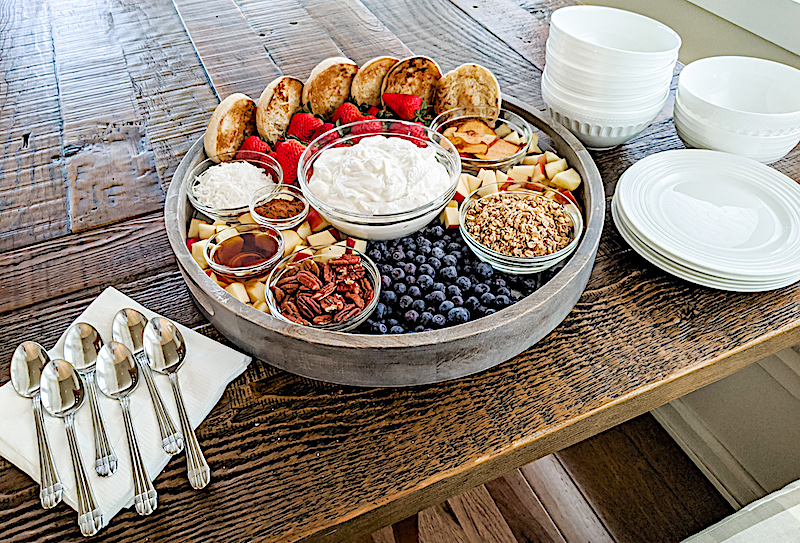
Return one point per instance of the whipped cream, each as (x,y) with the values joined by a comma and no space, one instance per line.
(378,176)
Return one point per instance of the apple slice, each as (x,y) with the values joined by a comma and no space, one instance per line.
(452,203)
(486,190)
(502,131)
(513,137)
(487,177)
(499,150)
(475,125)
(539,175)
(220,227)
(238,291)
(229,232)
(325,237)
(205,230)
(304,230)
(316,220)
(554,168)
(198,253)
(473,182)
(502,179)
(194,228)
(290,241)
(302,254)
(247,218)
(261,306)
(551,157)
(567,179)
(256,292)
(329,253)
(521,173)
(462,190)
(357,244)
(531,159)
(450,218)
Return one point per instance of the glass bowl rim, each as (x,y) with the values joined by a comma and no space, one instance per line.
(272,261)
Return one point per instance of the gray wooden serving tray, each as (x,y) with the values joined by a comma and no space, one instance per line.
(408,359)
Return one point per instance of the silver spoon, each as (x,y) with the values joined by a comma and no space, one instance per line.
(166,351)
(81,346)
(128,329)
(117,376)
(62,394)
(26,371)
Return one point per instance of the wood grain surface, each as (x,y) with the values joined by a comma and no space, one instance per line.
(293,459)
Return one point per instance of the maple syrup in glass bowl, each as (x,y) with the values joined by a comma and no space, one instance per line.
(244,251)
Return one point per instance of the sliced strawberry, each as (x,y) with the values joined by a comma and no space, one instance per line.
(346,113)
(405,105)
(250,149)
(288,155)
(303,126)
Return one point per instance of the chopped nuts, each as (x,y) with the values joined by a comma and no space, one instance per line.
(519,225)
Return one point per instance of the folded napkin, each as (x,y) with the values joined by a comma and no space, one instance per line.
(208,369)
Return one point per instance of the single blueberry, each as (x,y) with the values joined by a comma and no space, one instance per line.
(400,288)
(502,301)
(502,291)
(388,297)
(487,299)
(480,289)
(410,268)
(424,250)
(463,283)
(392,322)
(453,290)
(418,305)
(386,282)
(481,310)
(438,320)
(530,285)
(485,270)
(386,269)
(446,237)
(405,302)
(411,280)
(499,282)
(440,244)
(398,274)
(435,262)
(449,272)
(407,242)
(425,281)
(437,252)
(380,310)
(398,255)
(439,286)
(435,297)
(425,318)
(426,269)
(446,306)
(458,315)
(411,316)
(379,246)
(419,328)
(375,255)
(437,231)
(397,330)
(415,292)
(472,303)
(379,328)
(420,259)
(490,312)
(454,246)
(449,260)
(458,255)
(457,301)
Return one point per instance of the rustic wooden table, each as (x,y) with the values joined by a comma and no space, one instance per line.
(99,100)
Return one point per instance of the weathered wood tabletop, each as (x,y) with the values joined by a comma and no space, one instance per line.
(100,99)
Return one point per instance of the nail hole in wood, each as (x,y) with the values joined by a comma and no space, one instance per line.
(25,139)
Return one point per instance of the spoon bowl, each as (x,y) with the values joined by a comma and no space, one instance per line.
(116,373)
(81,346)
(128,329)
(27,363)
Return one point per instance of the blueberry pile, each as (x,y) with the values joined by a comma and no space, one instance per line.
(432,280)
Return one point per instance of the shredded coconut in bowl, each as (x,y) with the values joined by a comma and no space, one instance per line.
(229,185)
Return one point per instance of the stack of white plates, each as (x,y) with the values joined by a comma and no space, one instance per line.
(712,218)
(607,72)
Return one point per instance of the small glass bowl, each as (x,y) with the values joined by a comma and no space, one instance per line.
(248,271)
(266,163)
(390,225)
(373,275)
(515,264)
(266,194)
(491,117)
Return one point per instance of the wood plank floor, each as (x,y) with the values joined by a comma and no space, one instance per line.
(630,484)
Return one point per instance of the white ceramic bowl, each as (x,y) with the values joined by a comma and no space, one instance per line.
(601,113)
(590,59)
(608,102)
(701,135)
(744,95)
(615,34)
(599,134)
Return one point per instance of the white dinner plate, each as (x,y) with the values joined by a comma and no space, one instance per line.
(719,211)
(689,275)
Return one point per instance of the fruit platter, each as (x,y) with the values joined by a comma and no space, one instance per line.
(385,225)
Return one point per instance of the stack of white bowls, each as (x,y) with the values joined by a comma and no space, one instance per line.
(740,105)
(607,72)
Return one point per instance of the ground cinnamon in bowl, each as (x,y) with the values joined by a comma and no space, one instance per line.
(280,207)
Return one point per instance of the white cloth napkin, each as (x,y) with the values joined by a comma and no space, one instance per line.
(208,369)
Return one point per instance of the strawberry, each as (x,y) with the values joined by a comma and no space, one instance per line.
(321,130)
(374,110)
(407,106)
(303,126)
(416,130)
(250,149)
(346,113)
(367,128)
(288,155)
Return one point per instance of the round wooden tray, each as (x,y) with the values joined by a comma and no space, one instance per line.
(408,359)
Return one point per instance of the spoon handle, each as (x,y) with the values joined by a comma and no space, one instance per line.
(105,463)
(199,473)
(51,488)
(171,439)
(90,518)
(145,497)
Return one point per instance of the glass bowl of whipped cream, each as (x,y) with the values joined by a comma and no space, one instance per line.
(379,178)
(221,187)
